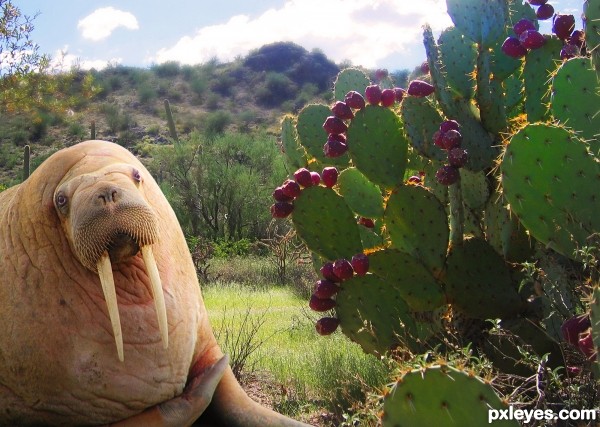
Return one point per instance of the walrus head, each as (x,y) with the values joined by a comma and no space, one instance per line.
(108,220)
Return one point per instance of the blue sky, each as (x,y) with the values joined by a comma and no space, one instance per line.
(371,33)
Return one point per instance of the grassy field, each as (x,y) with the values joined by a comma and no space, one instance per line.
(270,330)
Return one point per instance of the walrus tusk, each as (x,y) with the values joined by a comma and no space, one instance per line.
(110,296)
(157,293)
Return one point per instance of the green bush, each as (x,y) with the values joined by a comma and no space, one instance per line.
(146,93)
(225,248)
(167,69)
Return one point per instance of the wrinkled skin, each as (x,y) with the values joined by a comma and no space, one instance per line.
(58,359)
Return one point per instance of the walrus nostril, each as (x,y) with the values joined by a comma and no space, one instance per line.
(109,195)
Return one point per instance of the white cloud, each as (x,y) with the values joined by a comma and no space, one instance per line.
(102,22)
(363,31)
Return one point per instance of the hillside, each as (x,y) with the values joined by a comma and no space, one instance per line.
(249,93)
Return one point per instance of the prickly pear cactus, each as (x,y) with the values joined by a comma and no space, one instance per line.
(442,396)
(595,320)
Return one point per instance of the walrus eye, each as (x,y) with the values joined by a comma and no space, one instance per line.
(61,200)
(136,176)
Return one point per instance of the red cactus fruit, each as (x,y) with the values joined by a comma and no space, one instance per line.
(360,264)
(545,11)
(327,325)
(315,177)
(425,67)
(279,196)
(563,26)
(420,88)
(281,209)
(415,180)
(577,38)
(354,100)
(569,51)
(388,97)
(373,94)
(523,25)
(291,188)
(335,146)
(572,327)
(586,345)
(451,139)
(381,74)
(447,175)
(303,177)
(326,289)
(458,157)
(532,39)
(334,125)
(327,272)
(342,110)
(343,269)
(329,176)
(366,222)
(400,94)
(513,48)
(320,304)
(446,125)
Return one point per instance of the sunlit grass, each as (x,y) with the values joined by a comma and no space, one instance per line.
(320,372)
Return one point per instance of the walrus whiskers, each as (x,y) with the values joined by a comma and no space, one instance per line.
(110,296)
(157,293)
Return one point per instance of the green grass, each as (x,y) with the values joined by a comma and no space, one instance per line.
(330,373)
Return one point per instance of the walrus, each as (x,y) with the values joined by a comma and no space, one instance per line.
(103,321)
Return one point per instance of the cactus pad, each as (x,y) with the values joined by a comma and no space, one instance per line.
(550,180)
(421,120)
(481,21)
(378,146)
(312,136)
(458,54)
(347,80)
(591,10)
(373,314)
(539,66)
(418,224)
(475,188)
(479,283)
(295,155)
(363,197)
(326,224)
(414,282)
(441,396)
(506,235)
(576,100)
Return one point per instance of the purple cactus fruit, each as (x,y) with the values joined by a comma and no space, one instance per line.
(586,345)
(303,177)
(388,97)
(279,196)
(360,264)
(446,125)
(569,51)
(326,289)
(373,94)
(327,272)
(537,2)
(523,25)
(354,100)
(563,26)
(335,146)
(572,327)
(380,74)
(281,209)
(458,157)
(366,222)
(329,176)
(451,139)
(327,325)
(420,88)
(334,125)
(315,177)
(400,94)
(447,175)
(342,110)
(513,48)
(343,269)
(437,138)
(290,188)
(577,38)
(320,304)
(425,67)
(545,11)
(532,39)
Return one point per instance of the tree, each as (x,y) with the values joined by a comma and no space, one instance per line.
(28,81)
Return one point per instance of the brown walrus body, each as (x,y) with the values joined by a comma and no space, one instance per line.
(90,209)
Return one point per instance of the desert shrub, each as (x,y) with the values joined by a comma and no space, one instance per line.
(146,93)
(167,69)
